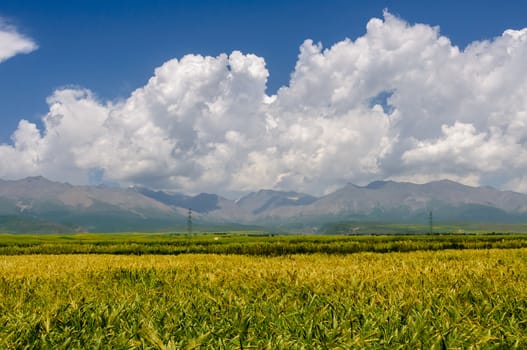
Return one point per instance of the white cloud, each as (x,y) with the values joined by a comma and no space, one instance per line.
(462,147)
(13,43)
(399,102)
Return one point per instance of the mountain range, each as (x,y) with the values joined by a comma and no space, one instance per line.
(35,204)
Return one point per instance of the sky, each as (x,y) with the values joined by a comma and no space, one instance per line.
(235,96)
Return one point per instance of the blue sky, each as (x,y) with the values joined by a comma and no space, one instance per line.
(111,48)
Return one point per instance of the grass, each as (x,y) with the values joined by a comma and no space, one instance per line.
(425,299)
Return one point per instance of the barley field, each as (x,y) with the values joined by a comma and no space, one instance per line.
(445,299)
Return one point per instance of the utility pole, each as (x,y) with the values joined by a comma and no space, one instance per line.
(189,222)
(431,223)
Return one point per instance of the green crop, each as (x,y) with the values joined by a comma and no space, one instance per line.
(248,244)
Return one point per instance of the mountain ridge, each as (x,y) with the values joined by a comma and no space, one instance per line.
(99,208)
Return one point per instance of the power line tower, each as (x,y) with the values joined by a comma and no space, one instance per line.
(430,223)
(189,222)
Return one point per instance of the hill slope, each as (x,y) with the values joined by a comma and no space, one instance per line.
(87,208)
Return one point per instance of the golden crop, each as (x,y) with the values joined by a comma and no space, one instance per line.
(452,299)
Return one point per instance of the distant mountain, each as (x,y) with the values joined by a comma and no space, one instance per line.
(266,200)
(202,203)
(84,207)
(38,205)
(205,206)
(407,202)
(379,201)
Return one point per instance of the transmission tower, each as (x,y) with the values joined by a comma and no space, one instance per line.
(431,223)
(189,222)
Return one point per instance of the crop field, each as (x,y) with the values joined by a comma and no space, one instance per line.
(430,299)
(248,243)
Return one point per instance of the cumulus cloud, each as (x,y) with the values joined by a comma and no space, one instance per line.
(13,43)
(461,146)
(399,102)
